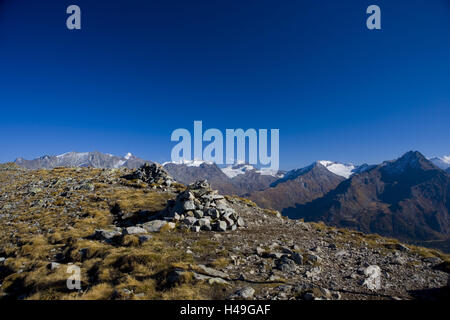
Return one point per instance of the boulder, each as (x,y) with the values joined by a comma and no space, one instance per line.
(154,226)
(134,230)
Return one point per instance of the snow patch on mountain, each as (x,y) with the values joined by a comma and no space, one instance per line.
(189,163)
(233,171)
(242,168)
(441,162)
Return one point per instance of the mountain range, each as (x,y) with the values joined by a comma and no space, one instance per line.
(82,159)
(407,198)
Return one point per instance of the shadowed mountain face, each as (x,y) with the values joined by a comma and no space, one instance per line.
(297,187)
(82,159)
(408,198)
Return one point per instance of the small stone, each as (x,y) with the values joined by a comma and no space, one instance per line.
(259,251)
(336,296)
(399,260)
(171,225)
(213,213)
(204,223)
(373,282)
(244,293)
(189,205)
(228,221)
(53,265)
(297,258)
(198,214)
(313,258)
(220,226)
(190,221)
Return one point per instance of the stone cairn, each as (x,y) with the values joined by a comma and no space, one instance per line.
(201,208)
(152,173)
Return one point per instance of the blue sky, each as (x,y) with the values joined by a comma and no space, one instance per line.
(140,69)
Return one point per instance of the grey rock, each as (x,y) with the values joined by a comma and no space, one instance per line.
(190,221)
(220,226)
(213,213)
(244,293)
(53,265)
(189,205)
(297,258)
(204,223)
(154,226)
(106,234)
(133,230)
(198,214)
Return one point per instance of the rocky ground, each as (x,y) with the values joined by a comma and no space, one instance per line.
(140,235)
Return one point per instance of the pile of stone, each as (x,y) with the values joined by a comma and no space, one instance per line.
(151,173)
(201,208)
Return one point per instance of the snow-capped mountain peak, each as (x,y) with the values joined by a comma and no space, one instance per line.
(128,156)
(340,169)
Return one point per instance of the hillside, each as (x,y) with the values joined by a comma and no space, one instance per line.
(96,219)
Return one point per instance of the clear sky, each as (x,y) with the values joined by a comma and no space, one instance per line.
(137,70)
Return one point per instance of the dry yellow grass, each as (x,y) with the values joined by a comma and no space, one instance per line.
(107,271)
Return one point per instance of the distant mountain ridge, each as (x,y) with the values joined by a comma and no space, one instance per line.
(82,159)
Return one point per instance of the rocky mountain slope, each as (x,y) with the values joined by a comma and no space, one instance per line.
(408,198)
(82,159)
(297,187)
(111,224)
